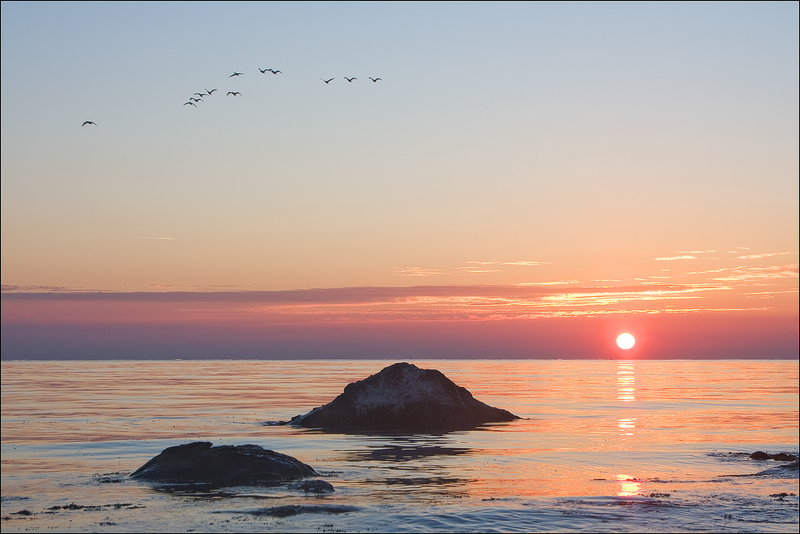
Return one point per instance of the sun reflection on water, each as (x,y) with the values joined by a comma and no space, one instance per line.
(626,392)
(626,380)
(626,426)
(628,486)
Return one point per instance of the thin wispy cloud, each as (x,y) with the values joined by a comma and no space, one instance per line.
(654,280)
(193,287)
(760,256)
(33,288)
(710,271)
(604,298)
(674,258)
(518,262)
(773,293)
(686,255)
(559,282)
(471,267)
(420,271)
(526,263)
(102,236)
(751,274)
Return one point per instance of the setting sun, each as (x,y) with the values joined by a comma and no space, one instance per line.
(625,341)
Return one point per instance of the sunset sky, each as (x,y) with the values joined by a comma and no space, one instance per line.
(526,180)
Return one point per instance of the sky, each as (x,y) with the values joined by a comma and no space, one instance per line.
(525,180)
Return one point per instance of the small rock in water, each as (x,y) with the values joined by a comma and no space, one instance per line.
(780,457)
(313,486)
(226,465)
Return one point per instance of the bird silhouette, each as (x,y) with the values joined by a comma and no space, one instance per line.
(88,122)
(264,71)
(196,99)
(327,81)
(373,79)
(273,71)
(211,91)
(188,104)
(350,79)
(234,93)
(235,74)
(199,94)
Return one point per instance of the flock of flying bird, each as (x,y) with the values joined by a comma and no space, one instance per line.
(193,101)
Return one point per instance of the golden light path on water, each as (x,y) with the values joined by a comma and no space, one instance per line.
(628,485)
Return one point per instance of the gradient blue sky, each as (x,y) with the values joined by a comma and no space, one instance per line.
(571,146)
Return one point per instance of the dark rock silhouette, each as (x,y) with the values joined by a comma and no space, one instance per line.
(405,398)
(226,465)
(313,486)
(780,457)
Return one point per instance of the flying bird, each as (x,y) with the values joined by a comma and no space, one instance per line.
(188,104)
(373,79)
(327,81)
(234,93)
(273,71)
(211,91)
(196,99)
(235,74)
(264,71)
(199,94)
(88,122)
(350,79)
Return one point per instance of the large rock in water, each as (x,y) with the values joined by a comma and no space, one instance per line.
(403,397)
(226,465)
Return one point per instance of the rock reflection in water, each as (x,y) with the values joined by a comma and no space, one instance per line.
(404,454)
(425,465)
(288,510)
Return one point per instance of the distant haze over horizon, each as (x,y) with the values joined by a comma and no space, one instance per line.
(387,323)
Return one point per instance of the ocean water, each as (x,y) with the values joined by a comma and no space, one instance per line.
(602,446)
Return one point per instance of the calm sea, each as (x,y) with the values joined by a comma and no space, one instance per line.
(614,446)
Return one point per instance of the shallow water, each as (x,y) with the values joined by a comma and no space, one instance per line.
(603,446)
